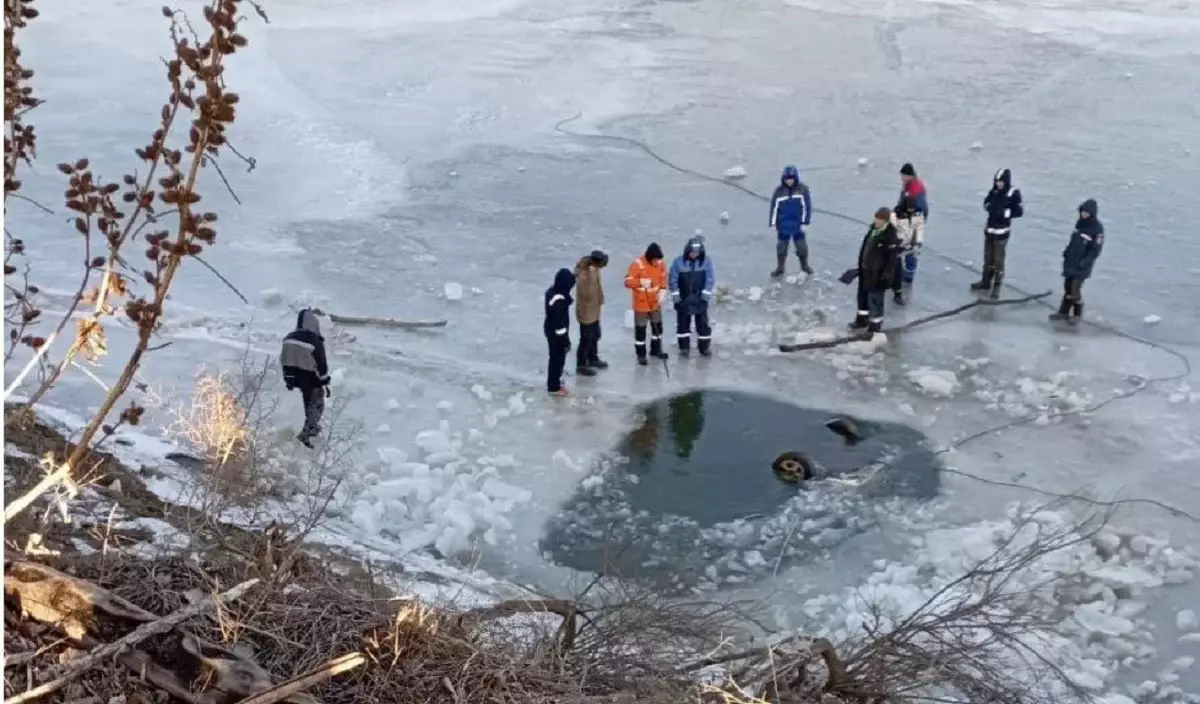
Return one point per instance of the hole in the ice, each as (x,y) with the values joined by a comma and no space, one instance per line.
(689,497)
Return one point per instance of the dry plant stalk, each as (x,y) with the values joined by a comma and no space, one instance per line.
(163,197)
(213,423)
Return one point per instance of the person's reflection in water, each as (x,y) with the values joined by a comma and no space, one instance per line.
(643,441)
(687,422)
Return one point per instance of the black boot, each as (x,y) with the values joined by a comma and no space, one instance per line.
(1064,310)
(780,265)
(597,363)
(642,358)
(805,267)
(997,284)
(705,348)
(584,371)
(860,322)
(1076,314)
(985,283)
(875,327)
(656,350)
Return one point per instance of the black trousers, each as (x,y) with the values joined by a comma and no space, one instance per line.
(1073,289)
(314,408)
(557,360)
(684,316)
(588,351)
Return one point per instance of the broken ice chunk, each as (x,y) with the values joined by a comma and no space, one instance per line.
(453,291)
(734,173)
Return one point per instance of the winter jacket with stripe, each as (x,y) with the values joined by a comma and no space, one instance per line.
(692,281)
(1003,205)
(303,354)
(1085,245)
(646,280)
(558,308)
(791,211)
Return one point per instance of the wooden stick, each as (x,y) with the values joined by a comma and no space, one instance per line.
(858,337)
(139,634)
(296,685)
(387,322)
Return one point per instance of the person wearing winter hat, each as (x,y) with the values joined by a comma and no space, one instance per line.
(646,279)
(589,297)
(911,186)
(875,269)
(692,280)
(791,212)
(1002,204)
(557,327)
(1084,247)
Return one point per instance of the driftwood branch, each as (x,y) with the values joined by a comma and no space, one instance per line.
(75,668)
(386,322)
(297,685)
(859,337)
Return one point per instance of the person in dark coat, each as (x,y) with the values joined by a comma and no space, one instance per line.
(305,368)
(557,328)
(1084,247)
(875,270)
(791,212)
(1003,204)
(691,281)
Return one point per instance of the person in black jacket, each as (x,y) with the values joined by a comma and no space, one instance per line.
(1084,247)
(875,271)
(305,368)
(1003,204)
(557,328)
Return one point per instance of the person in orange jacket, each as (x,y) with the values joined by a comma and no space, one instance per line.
(647,279)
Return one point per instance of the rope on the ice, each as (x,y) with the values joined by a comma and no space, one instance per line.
(1185,371)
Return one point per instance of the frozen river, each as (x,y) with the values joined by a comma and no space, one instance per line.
(401,146)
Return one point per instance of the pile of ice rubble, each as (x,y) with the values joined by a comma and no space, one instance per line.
(442,497)
(600,526)
(1095,591)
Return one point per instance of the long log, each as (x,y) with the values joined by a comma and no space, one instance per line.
(387,322)
(863,336)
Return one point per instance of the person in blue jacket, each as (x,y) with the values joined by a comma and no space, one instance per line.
(1084,247)
(557,328)
(791,212)
(691,281)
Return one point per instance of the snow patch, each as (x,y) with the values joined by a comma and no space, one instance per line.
(938,383)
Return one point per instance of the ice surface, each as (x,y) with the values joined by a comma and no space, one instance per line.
(353,207)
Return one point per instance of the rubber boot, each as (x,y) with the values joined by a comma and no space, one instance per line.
(1064,310)
(1076,314)
(780,265)
(860,323)
(656,350)
(705,347)
(874,328)
(597,363)
(584,371)
(994,293)
(804,266)
(984,283)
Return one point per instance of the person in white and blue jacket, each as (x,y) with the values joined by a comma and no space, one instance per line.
(691,282)
(1003,204)
(791,212)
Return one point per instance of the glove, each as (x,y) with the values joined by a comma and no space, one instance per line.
(662,296)
(326,392)
(848,276)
